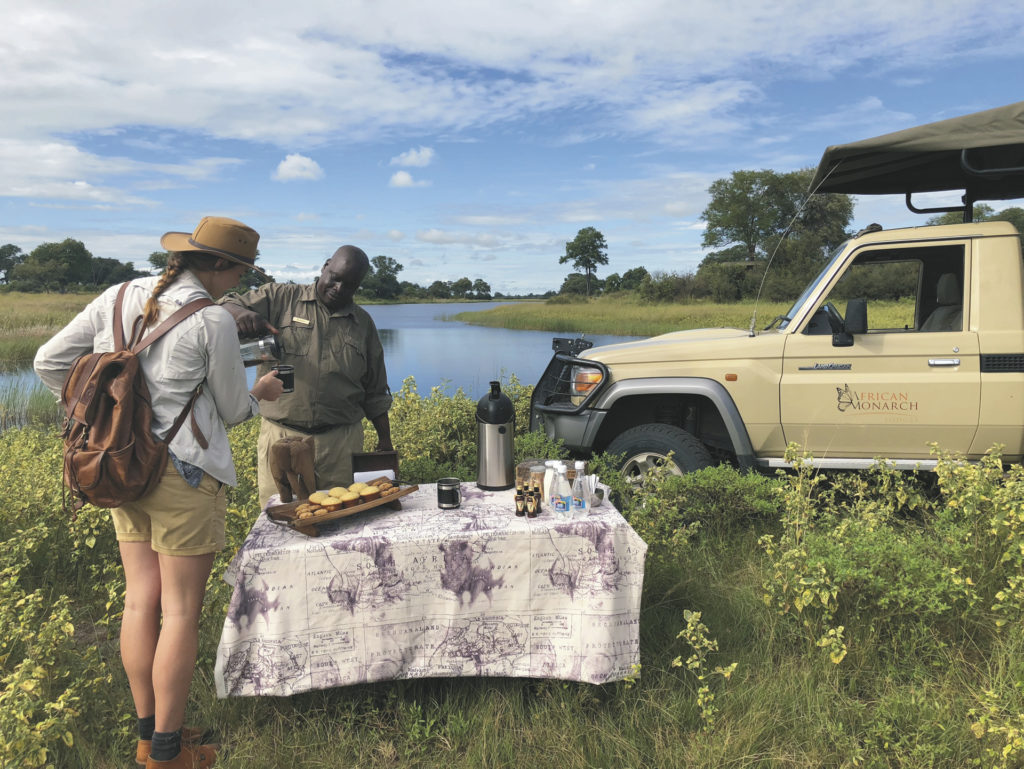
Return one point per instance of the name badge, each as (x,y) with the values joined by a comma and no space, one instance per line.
(303,321)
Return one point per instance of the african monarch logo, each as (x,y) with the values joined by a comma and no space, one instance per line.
(873,400)
(847,398)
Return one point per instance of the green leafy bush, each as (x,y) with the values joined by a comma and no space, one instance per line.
(880,555)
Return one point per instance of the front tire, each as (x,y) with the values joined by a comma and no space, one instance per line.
(647,446)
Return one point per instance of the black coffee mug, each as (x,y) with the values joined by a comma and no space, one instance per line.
(286,374)
(449,493)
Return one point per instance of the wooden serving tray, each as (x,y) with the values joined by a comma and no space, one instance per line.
(284,514)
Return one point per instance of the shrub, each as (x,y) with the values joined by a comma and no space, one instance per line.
(877,553)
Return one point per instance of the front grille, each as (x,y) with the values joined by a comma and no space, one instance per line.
(553,390)
(1002,364)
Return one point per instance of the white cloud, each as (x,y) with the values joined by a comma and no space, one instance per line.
(404,179)
(491,220)
(297,168)
(301,78)
(417,157)
(395,235)
(443,237)
(57,170)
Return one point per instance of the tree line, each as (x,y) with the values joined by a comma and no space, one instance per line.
(765,234)
(69,266)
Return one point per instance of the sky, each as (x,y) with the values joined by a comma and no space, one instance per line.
(461,138)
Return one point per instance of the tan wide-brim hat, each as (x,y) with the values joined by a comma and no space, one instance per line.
(219,236)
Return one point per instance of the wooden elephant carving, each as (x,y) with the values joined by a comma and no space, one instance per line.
(291,465)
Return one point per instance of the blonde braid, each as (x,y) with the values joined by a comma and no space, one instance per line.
(175,266)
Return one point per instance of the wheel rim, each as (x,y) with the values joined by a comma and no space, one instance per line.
(637,465)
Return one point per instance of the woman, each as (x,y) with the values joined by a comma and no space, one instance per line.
(168,539)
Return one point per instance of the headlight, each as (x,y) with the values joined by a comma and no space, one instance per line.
(585,380)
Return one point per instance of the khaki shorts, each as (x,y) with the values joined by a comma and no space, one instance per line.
(175,518)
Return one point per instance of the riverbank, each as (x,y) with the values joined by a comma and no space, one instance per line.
(629,316)
(622,314)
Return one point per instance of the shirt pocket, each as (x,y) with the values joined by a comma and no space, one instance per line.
(347,355)
(181,355)
(296,338)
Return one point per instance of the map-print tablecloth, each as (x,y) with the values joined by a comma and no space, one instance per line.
(474,591)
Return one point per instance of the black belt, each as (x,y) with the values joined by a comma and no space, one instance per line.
(308,430)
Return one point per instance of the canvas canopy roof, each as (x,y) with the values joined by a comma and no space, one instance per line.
(981,153)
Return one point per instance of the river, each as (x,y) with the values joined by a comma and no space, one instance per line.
(418,342)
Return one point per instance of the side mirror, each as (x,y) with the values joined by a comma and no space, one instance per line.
(857,316)
(842,339)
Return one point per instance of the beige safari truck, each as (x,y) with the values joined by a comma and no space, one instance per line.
(846,387)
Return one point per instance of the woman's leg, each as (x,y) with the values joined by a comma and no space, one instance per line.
(183,585)
(140,624)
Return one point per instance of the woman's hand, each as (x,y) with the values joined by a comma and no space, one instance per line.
(268,387)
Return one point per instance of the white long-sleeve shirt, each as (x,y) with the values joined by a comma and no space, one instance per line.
(203,348)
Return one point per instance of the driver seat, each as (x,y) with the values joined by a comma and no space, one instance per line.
(948,316)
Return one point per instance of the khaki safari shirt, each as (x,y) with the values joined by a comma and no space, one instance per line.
(338,358)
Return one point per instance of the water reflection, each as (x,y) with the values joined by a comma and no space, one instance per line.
(419,342)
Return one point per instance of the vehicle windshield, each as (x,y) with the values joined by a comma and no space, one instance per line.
(792,311)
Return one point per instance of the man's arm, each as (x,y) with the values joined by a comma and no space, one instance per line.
(249,323)
(382,424)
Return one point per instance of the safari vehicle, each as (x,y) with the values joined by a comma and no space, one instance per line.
(846,388)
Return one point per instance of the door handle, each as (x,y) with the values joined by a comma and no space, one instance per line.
(943,361)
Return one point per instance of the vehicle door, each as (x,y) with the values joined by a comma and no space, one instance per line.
(898,387)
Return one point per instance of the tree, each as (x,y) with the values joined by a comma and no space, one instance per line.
(632,279)
(10,256)
(575,283)
(747,217)
(440,290)
(461,287)
(54,267)
(481,289)
(984,213)
(381,280)
(107,272)
(412,290)
(753,209)
(586,251)
(159,261)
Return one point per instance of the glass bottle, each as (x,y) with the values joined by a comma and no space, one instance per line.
(580,502)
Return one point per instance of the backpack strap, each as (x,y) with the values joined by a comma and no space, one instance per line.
(138,345)
(200,438)
(179,315)
(119,341)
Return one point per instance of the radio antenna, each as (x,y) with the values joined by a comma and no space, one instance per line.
(785,232)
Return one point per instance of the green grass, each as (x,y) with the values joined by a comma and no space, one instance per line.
(28,320)
(909,693)
(625,315)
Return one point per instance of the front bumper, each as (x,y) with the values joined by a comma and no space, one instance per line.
(555,410)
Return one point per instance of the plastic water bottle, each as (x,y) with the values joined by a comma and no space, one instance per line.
(580,503)
(561,494)
(549,481)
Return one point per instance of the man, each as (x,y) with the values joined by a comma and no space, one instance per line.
(339,367)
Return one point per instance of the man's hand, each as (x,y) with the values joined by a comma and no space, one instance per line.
(249,323)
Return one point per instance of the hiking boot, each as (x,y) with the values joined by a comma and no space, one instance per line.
(189,736)
(190,757)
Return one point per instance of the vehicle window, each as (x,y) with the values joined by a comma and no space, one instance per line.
(906,289)
(891,290)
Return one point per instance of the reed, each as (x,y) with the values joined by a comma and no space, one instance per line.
(627,316)
(25,403)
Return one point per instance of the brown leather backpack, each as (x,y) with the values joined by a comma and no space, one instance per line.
(110,454)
